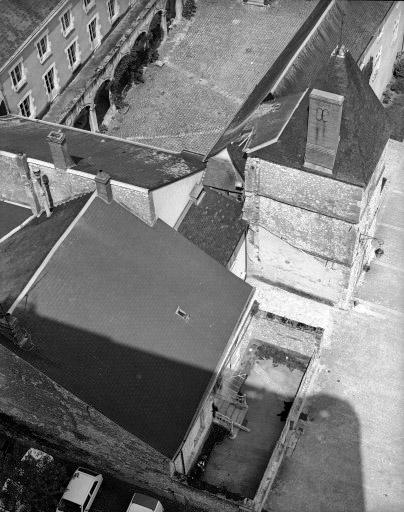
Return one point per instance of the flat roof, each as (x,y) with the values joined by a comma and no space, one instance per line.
(11,216)
(103,316)
(211,66)
(126,162)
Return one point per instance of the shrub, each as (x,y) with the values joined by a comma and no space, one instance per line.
(189,9)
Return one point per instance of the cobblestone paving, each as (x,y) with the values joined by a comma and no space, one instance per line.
(212,63)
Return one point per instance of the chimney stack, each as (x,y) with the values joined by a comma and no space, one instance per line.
(103,184)
(25,174)
(58,149)
(323,131)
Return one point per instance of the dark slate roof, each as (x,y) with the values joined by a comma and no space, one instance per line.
(364,128)
(215,225)
(222,174)
(237,157)
(22,253)
(361,20)
(124,161)
(103,316)
(19,18)
(267,128)
(11,216)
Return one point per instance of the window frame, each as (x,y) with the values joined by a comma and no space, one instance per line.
(31,105)
(117,10)
(42,58)
(17,87)
(68,30)
(376,64)
(74,42)
(94,43)
(87,8)
(54,92)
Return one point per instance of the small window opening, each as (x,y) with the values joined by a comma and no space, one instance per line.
(180,312)
(384,181)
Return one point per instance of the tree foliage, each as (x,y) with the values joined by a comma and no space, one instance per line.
(34,487)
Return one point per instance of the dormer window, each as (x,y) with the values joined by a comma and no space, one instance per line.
(18,78)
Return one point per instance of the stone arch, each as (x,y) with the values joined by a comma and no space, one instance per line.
(122,76)
(155,36)
(102,102)
(3,109)
(82,121)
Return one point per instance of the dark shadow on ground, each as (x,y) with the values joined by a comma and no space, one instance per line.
(136,389)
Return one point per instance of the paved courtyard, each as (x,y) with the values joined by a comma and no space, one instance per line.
(211,65)
(350,455)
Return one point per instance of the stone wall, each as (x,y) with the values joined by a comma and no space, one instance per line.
(138,201)
(36,410)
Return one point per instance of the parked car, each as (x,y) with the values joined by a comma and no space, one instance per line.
(143,503)
(81,491)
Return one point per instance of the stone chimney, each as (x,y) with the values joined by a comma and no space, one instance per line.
(58,149)
(103,184)
(25,174)
(323,131)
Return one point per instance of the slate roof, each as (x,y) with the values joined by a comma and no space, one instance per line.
(124,161)
(364,128)
(11,216)
(103,316)
(215,225)
(18,20)
(361,20)
(211,67)
(22,253)
(221,173)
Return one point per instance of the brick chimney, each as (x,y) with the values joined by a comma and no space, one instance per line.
(323,131)
(25,174)
(58,149)
(103,184)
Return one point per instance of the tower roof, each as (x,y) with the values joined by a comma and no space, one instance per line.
(364,127)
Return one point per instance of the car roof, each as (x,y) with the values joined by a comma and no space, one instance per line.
(143,501)
(79,486)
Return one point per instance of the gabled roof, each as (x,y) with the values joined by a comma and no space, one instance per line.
(102,314)
(23,252)
(18,20)
(364,128)
(11,216)
(125,161)
(215,225)
(361,20)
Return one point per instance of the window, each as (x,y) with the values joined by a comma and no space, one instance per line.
(43,47)
(26,106)
(113,10)
(18,78)
(73,54)
(88,4)
(50,82)
(66,21)
(94,33)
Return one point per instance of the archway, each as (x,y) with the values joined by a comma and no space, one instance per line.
(122,77)
(3,109)
(155,36)
(102,102)
(170,12)
(82,121)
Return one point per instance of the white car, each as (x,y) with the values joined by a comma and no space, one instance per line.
(80,492)
(143,503)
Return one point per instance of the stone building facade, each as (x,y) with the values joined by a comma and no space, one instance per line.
(313,193)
